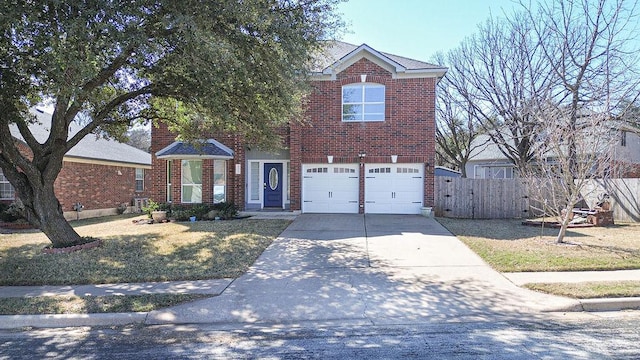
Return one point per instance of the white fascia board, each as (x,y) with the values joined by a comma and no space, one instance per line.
(221,146)
(105,162)
(194,157)
(363,51)
(166,148)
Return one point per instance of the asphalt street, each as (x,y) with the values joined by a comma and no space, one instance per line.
(570,336)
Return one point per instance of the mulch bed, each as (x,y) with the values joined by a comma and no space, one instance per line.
(69,249)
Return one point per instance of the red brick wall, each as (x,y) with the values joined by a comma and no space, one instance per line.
(408,130)
(162,137)
(97,186)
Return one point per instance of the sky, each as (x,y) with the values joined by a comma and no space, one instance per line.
(416,29)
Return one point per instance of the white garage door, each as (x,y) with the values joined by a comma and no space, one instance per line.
(393,188)
(330,188)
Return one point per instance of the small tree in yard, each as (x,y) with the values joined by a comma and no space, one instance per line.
(229,65)
(593,58)
(559,178)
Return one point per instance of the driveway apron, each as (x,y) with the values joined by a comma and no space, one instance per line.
(373,269)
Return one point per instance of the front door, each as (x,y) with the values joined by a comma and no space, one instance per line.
(273,185)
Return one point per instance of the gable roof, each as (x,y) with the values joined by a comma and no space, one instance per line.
(90,148)
(338,55)
(208,149)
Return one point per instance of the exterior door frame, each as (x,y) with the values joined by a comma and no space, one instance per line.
(261,181)
(273,190)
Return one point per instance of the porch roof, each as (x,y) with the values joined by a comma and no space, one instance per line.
(204,149)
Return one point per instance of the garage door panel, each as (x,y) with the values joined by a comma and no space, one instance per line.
(330,188)
(394,189)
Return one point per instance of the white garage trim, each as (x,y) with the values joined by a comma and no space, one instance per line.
(393,188)
(330,188)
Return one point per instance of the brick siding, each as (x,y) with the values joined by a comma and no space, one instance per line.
(408,131)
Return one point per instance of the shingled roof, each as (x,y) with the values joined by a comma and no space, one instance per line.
(208,149)
(90,147)
(338,51)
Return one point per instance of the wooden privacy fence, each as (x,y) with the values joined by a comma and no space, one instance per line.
(480,198)
(508,198)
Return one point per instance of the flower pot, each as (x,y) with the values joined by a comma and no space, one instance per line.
(159,216)
(426,211)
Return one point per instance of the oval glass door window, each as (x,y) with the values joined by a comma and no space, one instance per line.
(273,179)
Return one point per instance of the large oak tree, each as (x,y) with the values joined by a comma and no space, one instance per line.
(198,64)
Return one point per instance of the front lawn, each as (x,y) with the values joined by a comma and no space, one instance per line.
(138,253)
(508,246)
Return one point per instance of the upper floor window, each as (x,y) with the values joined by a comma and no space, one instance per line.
(6,190)
(363,102)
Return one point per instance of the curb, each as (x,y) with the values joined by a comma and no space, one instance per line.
(596,305)
(70,320)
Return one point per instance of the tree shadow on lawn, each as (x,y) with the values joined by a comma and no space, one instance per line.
(131,258)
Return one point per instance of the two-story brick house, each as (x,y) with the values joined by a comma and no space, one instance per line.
(366,145)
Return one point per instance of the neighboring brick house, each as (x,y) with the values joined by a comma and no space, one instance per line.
(98,173)
(488,162)
(366,145)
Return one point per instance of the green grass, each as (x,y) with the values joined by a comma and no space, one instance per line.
(138,253)
(92,304)
(589,290)
(508,246)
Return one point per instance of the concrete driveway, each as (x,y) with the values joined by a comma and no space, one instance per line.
(370,269)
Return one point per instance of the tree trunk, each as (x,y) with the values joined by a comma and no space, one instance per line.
(566,218)
(43,210)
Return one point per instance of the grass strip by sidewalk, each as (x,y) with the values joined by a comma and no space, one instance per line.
(92,304)
(589,290)
(508,246)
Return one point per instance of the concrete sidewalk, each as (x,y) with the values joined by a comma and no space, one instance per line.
(373,269)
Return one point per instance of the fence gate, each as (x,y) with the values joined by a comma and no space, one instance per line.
(480,198)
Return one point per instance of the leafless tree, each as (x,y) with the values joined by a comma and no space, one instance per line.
(559,177)
(500,73)
(457,125)
(591,51)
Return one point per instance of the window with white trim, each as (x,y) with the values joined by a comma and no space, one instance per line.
(219,181)
(7,191)
(169,187)
(254,171)
(405,170)
(318,170)
(342,170)
(363,102)
(382,170)
(139,179)
(191,181)
(494,172)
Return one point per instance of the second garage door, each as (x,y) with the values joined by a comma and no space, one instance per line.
(330,188)
(393,188)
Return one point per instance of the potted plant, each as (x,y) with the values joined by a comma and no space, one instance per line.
(153,211)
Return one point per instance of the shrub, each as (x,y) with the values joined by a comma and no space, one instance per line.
(151,207)
(226,210)
(121,209)
(10,213)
